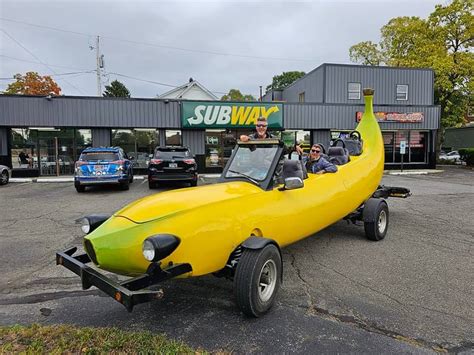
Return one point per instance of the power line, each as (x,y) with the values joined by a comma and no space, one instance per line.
(60,74)
(33,62)
(37,58)
(162,45)
(157,83)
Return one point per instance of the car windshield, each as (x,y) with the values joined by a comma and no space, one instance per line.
(171,154)
(252,162)
(99,156)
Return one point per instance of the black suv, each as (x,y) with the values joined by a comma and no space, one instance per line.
(172,163)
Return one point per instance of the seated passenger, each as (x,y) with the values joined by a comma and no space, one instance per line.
(315,163)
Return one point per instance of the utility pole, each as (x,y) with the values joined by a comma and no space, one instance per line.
(260,93)
(97,51)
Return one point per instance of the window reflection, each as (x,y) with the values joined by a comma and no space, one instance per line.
(138,144)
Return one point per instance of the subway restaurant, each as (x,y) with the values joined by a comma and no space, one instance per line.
(52,131)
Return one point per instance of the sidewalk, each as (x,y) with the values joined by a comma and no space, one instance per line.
(206,178)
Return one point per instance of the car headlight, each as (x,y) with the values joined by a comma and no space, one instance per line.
(159,246)
(148,250)
(85,225)
(91,222)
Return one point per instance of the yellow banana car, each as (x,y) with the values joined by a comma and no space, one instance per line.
(237,227)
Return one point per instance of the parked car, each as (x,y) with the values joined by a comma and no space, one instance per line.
(172,163)
(97,166)
(5,174)
(451,156)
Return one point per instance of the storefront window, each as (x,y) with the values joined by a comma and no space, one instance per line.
(401,136)
(215,148)
(173,137)
(146,141)
(83,140)
(24,148)
(388,140)
(56,153)
(418,146)
(138,143)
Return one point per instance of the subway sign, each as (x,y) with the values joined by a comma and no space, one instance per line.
(205,114)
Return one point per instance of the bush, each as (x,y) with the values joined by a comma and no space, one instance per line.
(467,155)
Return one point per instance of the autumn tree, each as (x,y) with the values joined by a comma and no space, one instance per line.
(33,84)
(444,42)
(116,89)
(285,79)
(236,95)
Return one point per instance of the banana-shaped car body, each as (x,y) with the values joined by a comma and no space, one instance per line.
(236,227)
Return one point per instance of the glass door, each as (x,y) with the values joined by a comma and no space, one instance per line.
(56,153)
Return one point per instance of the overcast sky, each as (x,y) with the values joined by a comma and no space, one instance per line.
(222,44)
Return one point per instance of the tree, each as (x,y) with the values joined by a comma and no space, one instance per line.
(366,53)
(33,84)
(116,89)
(236,95)
(281,81)
(444,42)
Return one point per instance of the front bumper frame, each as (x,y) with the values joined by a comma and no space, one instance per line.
(129,292)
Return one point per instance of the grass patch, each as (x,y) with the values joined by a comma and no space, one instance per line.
(59,339)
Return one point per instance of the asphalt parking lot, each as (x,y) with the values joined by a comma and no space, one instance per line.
(412,292)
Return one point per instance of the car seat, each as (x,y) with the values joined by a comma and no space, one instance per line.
(338,155)
(354,143)
(293,168)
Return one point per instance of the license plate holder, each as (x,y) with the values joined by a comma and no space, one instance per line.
(173,165)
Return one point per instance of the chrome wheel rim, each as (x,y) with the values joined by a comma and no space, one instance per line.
(267,280)
(382,223)
(4,177)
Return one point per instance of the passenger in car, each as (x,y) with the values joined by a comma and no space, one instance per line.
(314,162)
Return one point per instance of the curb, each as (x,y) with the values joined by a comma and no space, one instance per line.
(413,172)
(57,180)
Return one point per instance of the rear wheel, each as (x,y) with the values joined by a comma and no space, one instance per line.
(131,176)
(194,183)
(4,177)
(257,280)
(377,229)
(151,184)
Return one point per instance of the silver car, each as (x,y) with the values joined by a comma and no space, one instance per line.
(5,174)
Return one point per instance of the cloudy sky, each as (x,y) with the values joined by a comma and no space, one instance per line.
(222,44)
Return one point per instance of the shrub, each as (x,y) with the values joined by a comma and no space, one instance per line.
(467,155)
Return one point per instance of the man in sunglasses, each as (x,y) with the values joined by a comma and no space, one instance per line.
(261,133)
(314,162)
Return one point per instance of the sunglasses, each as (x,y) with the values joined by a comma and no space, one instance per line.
(315,151)
(261,125)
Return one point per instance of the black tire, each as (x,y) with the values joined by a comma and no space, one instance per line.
(125,185)
(80,188)
(254,267)
(4,177)
(151,185)
(131,176)
(194,183)
(378,229)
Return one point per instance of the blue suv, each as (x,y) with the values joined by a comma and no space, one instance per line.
(98,166)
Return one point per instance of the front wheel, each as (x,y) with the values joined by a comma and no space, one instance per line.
(377,229)
(80,188)
(257,280)
(4,177)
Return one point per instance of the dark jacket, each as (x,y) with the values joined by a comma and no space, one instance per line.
(319,165)
(255,135)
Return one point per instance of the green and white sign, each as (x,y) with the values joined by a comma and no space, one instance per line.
(195,114)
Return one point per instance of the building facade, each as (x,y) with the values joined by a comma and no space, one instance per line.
(45,135)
